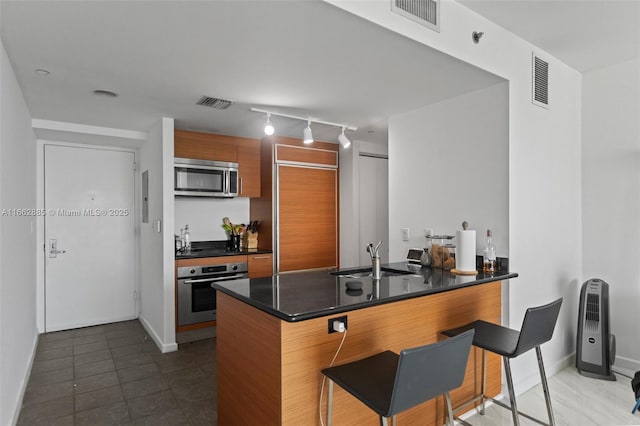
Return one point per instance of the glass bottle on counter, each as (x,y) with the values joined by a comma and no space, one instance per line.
(187,239)
(489,257)
(178,242)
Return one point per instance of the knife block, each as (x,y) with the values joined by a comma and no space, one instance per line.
(250,240)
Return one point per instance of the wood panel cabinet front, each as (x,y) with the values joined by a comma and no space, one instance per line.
(308,216)
(269,369)
(296,154)
(260,265)
(249,168)
(204,146)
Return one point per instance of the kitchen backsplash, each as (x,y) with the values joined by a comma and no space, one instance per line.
(204,215)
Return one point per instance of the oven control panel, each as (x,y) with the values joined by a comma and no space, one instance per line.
(198,271)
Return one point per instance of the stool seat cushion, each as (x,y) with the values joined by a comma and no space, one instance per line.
(370,379)
(492,337)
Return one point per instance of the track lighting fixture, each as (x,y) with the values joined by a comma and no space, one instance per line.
(306,134)
(307,137)
(268,128)
(344,140)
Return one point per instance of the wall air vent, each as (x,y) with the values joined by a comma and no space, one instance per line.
(214,103)
(540,84)
(425,12)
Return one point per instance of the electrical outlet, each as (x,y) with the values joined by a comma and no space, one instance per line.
(405,234)
(343,319)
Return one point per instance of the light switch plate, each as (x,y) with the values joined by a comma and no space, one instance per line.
(405,234)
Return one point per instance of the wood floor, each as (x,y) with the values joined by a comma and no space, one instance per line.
(576,401)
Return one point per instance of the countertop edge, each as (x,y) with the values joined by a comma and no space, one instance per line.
(225,254)
(368,304)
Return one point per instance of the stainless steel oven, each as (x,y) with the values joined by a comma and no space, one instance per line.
(196,298)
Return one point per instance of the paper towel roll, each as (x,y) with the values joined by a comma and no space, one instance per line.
(466,250)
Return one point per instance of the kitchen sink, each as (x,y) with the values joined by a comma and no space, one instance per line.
(366,272)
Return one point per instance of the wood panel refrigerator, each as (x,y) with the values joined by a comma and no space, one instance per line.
(298,208)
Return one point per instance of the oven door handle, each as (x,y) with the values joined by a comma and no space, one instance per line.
(205,280)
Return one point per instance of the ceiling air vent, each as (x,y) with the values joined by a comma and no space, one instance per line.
(540,84)
(214,102)
(425,12)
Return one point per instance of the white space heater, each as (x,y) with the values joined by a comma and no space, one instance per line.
(596,346)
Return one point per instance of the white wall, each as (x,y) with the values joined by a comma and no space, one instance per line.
(373,223)
(157,311)
(350,200)
(545,241)
(611,197)
(18,332)
(450,163)
(204,216)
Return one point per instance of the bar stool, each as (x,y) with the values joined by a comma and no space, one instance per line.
(389,383)
(537,328)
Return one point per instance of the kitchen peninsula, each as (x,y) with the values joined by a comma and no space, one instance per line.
(273,338)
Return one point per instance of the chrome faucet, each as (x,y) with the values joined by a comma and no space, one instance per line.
(375,260)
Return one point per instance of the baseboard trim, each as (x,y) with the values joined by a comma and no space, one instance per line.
(164,347)
(25,382)
(626,366)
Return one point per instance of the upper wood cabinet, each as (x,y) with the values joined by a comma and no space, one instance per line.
(213,147)
(204,146)
(249,168)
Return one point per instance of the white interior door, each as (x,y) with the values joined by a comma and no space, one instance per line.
(89,236)
(374,206)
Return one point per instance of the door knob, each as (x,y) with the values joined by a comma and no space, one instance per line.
(53,248)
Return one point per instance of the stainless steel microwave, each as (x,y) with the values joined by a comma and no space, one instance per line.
(202,178)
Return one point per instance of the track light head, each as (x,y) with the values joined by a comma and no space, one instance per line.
(307,137)
(344,141)
(268,128)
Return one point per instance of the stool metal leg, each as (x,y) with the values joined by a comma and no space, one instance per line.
(330,402)
(545,386)
(512,393)
(383,421)
(447,398)
(484,381)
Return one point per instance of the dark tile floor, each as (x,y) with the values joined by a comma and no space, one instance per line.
(114,374)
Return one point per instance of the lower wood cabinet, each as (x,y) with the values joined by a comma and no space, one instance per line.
(260,265)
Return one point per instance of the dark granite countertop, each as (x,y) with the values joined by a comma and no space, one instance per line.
(202,249)
(300,296)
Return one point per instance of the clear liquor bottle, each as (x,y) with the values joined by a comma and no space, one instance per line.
(187,239)
(489,258)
